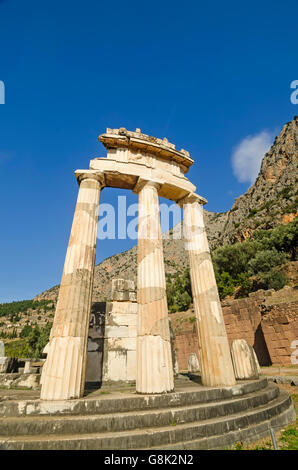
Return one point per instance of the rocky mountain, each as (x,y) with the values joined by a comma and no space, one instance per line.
(270,201)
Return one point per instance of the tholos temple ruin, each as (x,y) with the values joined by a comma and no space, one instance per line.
(151,168)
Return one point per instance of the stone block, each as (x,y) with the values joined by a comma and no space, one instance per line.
(124,319)
(282,319)
(284,343)
(27,367)
(122,308)
(123,290)
(117,331)
(244,362)
(8,365)
(132,331)
(121,344)
(124,296)
(131,366)
(193,363)
(123,285)
(282,352)
(115,366)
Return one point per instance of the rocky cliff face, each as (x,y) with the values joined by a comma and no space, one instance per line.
(270,201)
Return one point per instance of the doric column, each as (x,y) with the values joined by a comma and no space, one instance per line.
(154,360)
(63,376)
(215,357)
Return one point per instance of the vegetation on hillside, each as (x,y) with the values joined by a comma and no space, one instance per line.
(250,265)
(30,338)
(13,309)
(32,342)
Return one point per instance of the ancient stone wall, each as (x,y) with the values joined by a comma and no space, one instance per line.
(185,344)
(243,321)
(267,320)
(280,327)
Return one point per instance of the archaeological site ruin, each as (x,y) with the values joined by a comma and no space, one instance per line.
(129,340)
(151,168)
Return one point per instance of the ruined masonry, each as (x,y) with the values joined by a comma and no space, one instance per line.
(151,168)
(119,362)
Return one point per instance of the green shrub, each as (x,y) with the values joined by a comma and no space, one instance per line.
(265,260)
(245,283)
(273,280)
(15,348)
(25,331)
(225,284)
(252,212)
(179,294)
(32,344)
(233,259)
(282,238)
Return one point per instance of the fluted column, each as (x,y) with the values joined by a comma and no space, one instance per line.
(63,376)
(215,357)
(154,359)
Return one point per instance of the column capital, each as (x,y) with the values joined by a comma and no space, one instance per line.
(190,198)
(141,183)
(90,174)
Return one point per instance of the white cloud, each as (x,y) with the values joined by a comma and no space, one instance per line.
(248,154)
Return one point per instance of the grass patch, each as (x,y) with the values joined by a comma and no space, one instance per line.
(287,439)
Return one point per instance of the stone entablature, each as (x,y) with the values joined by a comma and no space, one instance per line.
(132,156)
(141,144)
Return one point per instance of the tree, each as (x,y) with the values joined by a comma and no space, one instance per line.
(273,280)
(179,295)
(225,284)
(25,331)
(265,260)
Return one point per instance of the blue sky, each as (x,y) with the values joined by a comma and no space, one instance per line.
(207,75)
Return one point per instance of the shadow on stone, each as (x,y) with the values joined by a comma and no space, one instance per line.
(260,348)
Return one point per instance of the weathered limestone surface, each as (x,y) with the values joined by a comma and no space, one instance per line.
(256,361)
(63,375)
(193,363)
(123,290)
(214,353)
(244,360)
(7,364)
(119,362)
(154,357)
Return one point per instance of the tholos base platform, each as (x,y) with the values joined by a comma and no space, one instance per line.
(192,417)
